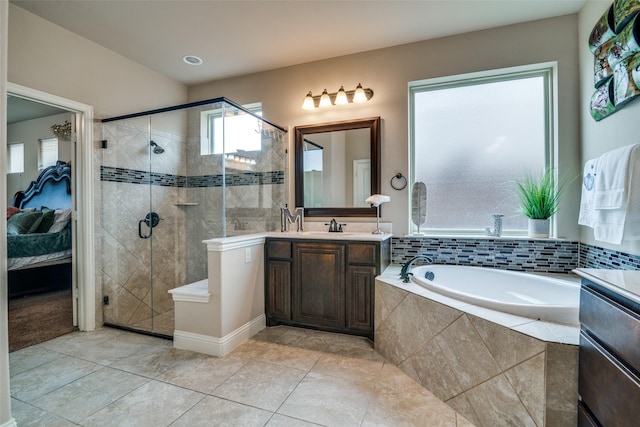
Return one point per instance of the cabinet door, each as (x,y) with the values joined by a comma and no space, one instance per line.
(359,294)
(278,290)
(318,285)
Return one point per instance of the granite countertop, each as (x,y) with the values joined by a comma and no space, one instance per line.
(624,282)
(325,235)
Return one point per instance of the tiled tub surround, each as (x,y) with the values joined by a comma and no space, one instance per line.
(493,368)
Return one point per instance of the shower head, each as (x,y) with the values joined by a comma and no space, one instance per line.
(156,148)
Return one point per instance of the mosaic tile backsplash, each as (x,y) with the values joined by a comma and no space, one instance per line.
(131,176)
(596,257)
(547,256)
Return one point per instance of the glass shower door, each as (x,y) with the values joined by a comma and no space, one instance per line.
(167,180)
(126,244)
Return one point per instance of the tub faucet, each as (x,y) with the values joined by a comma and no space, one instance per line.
(405,275)
(497,226)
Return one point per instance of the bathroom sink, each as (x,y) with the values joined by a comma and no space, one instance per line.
(326,233)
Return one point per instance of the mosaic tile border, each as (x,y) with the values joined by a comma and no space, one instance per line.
(597,257)
(132,176)
(549,256)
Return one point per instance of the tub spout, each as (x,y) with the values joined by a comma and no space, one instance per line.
(405,273)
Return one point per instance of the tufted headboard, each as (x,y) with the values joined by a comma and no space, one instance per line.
(52,189)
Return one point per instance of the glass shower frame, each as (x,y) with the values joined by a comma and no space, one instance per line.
(206,170)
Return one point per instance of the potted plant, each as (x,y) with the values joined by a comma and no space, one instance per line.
(539,200)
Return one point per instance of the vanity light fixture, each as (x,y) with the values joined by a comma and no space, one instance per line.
(325,101)
(342,97)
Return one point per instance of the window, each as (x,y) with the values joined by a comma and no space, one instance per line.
(47,152)
(15,157)
(472,136)
(237,131)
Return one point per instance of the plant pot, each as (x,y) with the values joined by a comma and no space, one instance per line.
(538,228)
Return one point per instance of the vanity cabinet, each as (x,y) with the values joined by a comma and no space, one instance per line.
(609,366)
(323,284)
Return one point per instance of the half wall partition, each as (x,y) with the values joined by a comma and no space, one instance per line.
(170,179)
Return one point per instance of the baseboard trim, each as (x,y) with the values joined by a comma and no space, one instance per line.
(10,423)
(218,346)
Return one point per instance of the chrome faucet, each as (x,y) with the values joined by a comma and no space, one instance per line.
(286,218)
(497,226)
(405,274)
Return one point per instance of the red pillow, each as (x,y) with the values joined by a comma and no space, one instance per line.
(11,211)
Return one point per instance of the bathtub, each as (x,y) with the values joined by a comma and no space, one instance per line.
(523,294)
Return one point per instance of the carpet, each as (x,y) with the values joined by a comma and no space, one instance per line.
(37,318)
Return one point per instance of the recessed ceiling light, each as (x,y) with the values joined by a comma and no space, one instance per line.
(192,60)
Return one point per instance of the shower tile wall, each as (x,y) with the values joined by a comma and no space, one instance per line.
(127,263)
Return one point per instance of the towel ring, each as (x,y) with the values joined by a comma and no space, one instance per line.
(402,179)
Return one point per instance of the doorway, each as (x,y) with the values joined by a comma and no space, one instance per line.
(78,148)
(40,153)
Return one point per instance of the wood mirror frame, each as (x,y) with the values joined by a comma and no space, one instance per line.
(373,124)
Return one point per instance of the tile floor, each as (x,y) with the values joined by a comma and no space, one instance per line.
(281,377)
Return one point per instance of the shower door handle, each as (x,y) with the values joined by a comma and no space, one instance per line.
(142,236)
(152,219)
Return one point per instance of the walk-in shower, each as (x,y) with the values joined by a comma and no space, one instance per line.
(171,178)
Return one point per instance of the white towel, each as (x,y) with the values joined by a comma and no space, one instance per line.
(616,202)
(377,199)
(611,181)
(587,211)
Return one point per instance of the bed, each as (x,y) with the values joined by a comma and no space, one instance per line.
(39,235)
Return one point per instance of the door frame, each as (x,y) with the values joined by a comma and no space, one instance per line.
(83,213)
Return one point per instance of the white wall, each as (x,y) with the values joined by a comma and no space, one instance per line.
(49,58)
(30,132)
(620,129)
(388,71)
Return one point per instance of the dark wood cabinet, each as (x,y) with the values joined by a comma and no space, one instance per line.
(317,294)
(609,367)
(322,284)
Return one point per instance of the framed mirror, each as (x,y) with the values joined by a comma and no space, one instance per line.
(337,166)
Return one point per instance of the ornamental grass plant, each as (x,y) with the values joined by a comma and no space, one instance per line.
(540,197)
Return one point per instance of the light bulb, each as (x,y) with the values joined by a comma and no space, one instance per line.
(359,96)
(325,100)
(341,97)
(308,103)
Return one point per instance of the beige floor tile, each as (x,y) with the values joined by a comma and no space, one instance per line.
(212,411)
(308,377)
(29,358)
(30,416)
(260,384)
(329,400)
(286,355)
(39,381)
(282,421)
(155,404)
(103,346)
(203,374)
(394,407)
(154,361)
(79,399)
(277,354)
(348,367)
